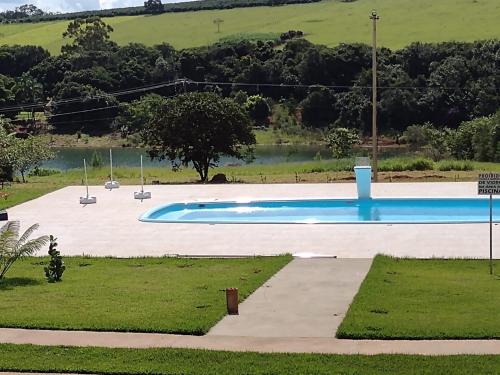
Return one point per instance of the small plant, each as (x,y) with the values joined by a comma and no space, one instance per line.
(56,267)
(13,247)
(96,160)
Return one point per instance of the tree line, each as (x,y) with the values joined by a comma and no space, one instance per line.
(150,7)
(93,80)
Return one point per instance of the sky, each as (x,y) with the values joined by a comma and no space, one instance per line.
(74,5)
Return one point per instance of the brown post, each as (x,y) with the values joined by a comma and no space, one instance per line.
(232,301)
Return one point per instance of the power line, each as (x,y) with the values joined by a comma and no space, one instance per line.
(92,97)
(212,83)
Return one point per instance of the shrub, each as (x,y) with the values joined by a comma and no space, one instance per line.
(43,172)
(478,139)
(13,247)
(455,165)
(397,165)
(341,141)
(96,160)
(421,165)
(56,267)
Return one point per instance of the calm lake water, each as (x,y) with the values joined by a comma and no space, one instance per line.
(68,158)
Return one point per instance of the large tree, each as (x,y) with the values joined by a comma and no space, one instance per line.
(154,6)
(89,34)
(198,128)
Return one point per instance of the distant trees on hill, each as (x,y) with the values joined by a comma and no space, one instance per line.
(154,6)
(150,6)
(22,12)
(94,79)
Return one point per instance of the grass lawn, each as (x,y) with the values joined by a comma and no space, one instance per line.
(170,295)
(426,299)
(328,22)
(182,361)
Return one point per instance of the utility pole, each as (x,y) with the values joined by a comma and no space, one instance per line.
(374,17)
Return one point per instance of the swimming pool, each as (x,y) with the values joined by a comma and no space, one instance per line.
(328,211)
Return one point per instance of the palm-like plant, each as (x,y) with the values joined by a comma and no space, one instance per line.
(13,247)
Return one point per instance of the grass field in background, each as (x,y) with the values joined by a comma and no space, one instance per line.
(329,22)
(426,299)
(318,171)
(170,295)
(202,362)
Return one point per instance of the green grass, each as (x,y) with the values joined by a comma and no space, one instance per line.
(329,22)
(426,299)
(182,361)
(171,295)
(277,137)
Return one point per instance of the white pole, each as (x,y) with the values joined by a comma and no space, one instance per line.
(111,163)
(142,178)
(86,180)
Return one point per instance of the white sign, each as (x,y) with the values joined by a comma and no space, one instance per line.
(489,184)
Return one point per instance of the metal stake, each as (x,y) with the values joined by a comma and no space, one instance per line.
(491,234)
(86,179)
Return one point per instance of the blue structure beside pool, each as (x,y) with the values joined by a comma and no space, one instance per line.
(328,211)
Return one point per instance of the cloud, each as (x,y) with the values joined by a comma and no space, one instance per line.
(75,6)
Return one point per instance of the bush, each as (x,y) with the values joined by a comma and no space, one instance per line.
(56,267)
(341,141)
(398,165)
(455,165)
(421,165)
(478,139)
(43,172)
(96,160)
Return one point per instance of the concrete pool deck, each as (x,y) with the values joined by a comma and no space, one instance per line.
(111,227)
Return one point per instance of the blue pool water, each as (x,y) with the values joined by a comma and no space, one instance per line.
(328,211)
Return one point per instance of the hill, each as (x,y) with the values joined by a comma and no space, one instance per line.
(329,22)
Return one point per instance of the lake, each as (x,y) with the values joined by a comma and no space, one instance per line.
(69,158)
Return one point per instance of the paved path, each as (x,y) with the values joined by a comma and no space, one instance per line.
(253,344)
(307,298)
(111,227)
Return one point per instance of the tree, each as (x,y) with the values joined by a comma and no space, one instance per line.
(138,114)
(198,128)
(77,107)
(29,153)
(27,90)
(7,155)
(13,247)
(341,141)
(30,10)
(318,108)
(154,6)
(258,109)
(89,34)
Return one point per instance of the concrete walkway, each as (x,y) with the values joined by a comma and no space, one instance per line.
(307,298)
(111,227)
(252,344)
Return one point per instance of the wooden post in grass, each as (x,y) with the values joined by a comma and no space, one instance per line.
(232,301)
(218,22)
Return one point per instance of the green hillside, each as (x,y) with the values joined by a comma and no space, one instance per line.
(329,22)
